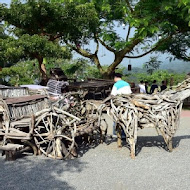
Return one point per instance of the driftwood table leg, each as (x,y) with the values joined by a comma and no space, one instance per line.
(170,145)
(119,141)
(10,155)
(132,148)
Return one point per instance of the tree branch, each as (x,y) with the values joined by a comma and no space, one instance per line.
(138,56)
(128,4)
(80,50)
(146,53)
(84,53)
(97,46)
(97,63)
(130,47)
(128,33)
(53,38)
(106,46)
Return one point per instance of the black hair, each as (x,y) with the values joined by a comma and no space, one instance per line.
(118,75)
(154,81)
(141,81)
(163,82)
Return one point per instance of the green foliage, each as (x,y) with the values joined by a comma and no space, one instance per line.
(178,46)
(67,19)
(40,26)
(25,47)
(160,76)
(21,73)
(33,28)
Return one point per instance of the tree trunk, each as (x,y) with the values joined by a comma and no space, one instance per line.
(43,71)
(109,73)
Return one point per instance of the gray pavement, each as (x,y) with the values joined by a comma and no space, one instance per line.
(105,167)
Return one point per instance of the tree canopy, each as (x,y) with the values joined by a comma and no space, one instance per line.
(41,27)
(149,25)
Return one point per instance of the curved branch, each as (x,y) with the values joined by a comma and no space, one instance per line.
(84,53)
(146,53)
(80,50)
(97,63)
(138,56)
(106,46)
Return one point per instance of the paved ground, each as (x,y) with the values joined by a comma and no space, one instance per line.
(105,167)
(185,113)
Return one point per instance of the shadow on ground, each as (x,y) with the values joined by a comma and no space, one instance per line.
(157,141)
(84,145)
(38,172)
(149,141)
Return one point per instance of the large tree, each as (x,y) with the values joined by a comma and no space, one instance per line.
(149,24)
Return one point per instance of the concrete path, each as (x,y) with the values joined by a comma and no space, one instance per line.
(105,167)
(185,113)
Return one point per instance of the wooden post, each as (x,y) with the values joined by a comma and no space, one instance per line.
(119,141)
(170,145)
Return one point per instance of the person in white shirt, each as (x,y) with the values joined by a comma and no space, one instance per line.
(120,86)
(142,87)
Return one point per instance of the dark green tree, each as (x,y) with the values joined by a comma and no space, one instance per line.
(33,29)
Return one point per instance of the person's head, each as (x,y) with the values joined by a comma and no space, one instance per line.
(163,82)
(142,82)
(154,81)
(117,77)
(146,82)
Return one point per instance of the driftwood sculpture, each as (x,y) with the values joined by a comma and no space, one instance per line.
(137,111)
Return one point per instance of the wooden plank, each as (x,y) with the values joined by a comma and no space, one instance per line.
(25,99)
(20,122)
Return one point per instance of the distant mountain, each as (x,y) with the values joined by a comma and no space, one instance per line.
(175,67)
(179,67)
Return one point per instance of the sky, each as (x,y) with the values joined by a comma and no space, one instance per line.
(107,58)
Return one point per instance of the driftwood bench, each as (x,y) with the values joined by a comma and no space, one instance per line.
(10,150)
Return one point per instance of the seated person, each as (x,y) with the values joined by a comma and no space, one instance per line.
(142,87)
(146,87)
(154,88)
(55,88)
(163,86)
(120,86)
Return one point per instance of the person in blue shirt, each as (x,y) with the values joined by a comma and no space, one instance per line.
(120,86)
